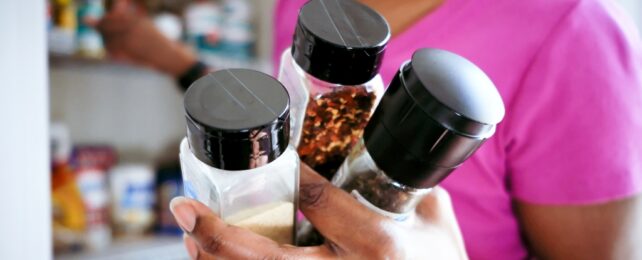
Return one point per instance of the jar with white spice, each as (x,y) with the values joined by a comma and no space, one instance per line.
(236,158)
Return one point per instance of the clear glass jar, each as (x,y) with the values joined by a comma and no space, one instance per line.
(262,200)
(236,157)
(326,119)
(360,176)
(437,111)
(331,72)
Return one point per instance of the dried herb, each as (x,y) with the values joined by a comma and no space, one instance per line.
(379,190)
(333,123)
(361,174)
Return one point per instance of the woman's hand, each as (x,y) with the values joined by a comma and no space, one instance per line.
(351,230)
(131,37)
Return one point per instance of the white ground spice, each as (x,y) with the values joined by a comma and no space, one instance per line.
(274,220)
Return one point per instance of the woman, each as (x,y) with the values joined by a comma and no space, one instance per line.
(562,176)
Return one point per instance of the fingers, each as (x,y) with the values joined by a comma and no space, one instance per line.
(436,209)
(114,6)
(194,251)
(436,206)
(190,246)
(337,215)
(213,237)
(116,22)
(118,31)
(122,16)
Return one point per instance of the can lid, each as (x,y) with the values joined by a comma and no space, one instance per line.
(237,119)
(456,83)
(340,42)
(436,112)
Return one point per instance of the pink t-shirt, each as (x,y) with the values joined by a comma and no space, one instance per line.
(570,74)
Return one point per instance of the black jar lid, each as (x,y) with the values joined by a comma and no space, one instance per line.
(237,119)
(340,42)
(437,111)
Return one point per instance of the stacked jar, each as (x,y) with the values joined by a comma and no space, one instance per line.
(236,157)
(438,110)
(331,73)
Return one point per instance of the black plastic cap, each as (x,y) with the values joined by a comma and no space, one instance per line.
(340,41)
(437,111)
(237,119)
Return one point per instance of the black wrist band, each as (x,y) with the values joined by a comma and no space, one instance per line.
(192,74)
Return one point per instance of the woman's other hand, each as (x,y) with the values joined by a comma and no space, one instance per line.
(130,36)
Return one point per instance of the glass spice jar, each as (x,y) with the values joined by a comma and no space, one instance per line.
(438,110)
(236,158)
(360,176)
(331,73)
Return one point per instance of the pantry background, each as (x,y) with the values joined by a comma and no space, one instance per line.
(115,114)
(132,118)
(121,124)
(138,111)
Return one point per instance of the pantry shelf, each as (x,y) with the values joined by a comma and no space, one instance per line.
(157,248)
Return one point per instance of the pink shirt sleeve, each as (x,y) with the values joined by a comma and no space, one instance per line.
(574,129)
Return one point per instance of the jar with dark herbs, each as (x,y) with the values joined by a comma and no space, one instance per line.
(331,73)
(437,111)
(370,185)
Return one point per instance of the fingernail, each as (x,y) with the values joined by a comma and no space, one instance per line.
(190,245)
(183,213)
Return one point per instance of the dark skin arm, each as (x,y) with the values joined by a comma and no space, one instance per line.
(611,230)
(129,36)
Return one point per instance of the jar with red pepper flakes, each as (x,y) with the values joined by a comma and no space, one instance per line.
(332,75)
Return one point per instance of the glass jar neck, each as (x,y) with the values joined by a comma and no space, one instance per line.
(384,177)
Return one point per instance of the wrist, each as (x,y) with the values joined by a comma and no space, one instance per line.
(191,74)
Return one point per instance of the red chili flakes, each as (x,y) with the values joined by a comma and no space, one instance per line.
(333,124)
